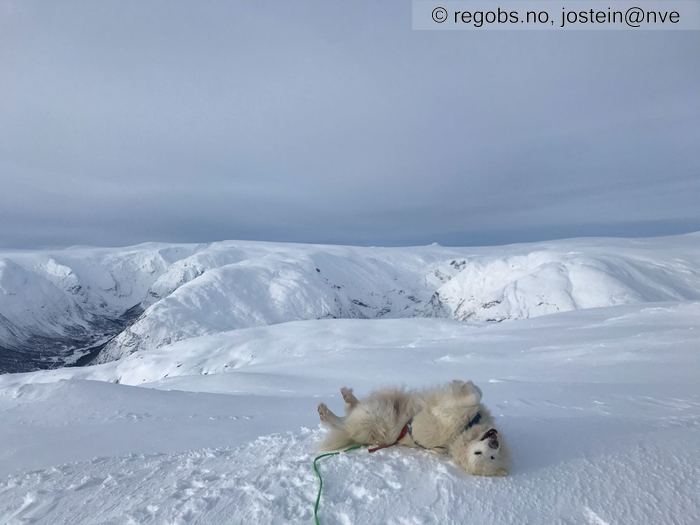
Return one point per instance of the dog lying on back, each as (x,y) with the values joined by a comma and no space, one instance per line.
(449,420)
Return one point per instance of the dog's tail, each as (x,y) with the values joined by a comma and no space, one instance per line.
(336,439)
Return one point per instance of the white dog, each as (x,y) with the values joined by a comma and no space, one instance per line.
(449,420)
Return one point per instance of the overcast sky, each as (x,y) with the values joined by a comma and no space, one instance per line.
(330,121)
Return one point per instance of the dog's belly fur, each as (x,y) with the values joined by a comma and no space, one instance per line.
(381,417)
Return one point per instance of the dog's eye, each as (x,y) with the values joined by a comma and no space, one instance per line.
(477,453)
(492,457)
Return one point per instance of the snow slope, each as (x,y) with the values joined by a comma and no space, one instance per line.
(600,408)
(77,298)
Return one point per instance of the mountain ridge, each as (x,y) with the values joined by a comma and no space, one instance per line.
(55,306)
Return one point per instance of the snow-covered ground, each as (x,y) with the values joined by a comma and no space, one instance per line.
(601,408)
(205,409)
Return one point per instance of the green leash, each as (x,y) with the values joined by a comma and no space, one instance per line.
(320,479)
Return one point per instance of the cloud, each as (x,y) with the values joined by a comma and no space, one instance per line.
(330,122)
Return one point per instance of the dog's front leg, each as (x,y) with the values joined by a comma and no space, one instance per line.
(350,400)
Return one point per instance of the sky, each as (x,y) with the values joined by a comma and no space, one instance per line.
(335,122)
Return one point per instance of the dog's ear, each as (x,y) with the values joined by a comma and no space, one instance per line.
(468,391)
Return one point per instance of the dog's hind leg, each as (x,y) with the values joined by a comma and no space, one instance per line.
(350,400)
(327,416)
(338,436)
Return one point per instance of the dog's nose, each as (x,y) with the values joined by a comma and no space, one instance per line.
(492,433)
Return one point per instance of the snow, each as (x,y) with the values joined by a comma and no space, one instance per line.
(269,481)
(599,406)
(62,300)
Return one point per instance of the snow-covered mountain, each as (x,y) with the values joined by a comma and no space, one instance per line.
(56,306)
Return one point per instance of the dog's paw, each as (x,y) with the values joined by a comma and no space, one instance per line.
(347,394)
(323,412)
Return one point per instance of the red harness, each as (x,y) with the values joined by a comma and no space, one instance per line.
(402,435)
(407,429)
